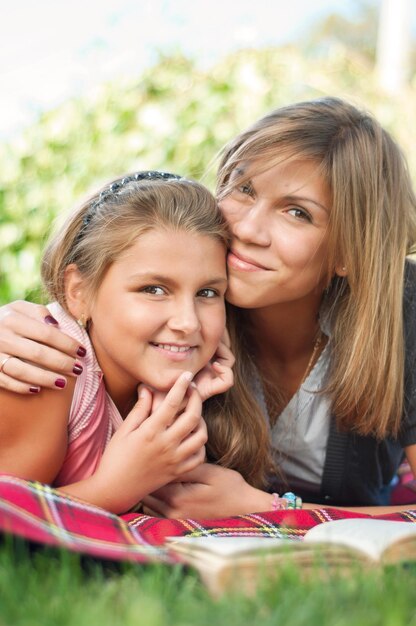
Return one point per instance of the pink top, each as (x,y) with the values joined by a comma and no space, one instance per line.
(93,416)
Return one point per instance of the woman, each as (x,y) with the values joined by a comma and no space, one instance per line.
(322,215)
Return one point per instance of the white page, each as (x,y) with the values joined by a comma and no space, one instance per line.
(370,535)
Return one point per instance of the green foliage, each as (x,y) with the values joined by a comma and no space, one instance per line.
(175,116)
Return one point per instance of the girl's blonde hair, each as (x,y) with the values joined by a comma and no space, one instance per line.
(372,228)
(108,223)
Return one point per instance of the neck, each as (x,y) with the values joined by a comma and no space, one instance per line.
(287,342)
(285,331)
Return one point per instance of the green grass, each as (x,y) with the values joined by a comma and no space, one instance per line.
(51,588)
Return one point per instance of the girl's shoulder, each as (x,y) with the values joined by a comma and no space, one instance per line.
(67,323)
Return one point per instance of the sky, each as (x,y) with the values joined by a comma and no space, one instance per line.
(55,49)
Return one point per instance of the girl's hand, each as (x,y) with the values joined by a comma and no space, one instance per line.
(28,333)
(209,491)
(152,449)
(217,376)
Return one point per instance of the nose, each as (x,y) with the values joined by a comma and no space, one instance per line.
(251,225)
(184,317)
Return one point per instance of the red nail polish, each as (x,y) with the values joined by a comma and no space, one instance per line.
(81,351)
(51,320)
(60,382)
(77,369)
(34,389)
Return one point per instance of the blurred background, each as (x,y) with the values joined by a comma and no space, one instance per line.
(94,89)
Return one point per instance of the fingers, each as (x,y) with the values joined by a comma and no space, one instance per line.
(165,414)
(154,507)
(26,336)
(225,373)
(190,420)
(17,329)
(20,376)
(224,355)
(140,411)
(6,382)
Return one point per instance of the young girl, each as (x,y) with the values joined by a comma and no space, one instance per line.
(322,214)
(138,277)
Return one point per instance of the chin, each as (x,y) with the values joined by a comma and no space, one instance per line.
(165,383)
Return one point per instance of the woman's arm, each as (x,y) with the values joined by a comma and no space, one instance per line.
(209,491)
(42,352)
(213,491)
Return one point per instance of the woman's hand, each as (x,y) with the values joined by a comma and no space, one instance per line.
(217,376)
(209,491)
(40,352)
(151,449)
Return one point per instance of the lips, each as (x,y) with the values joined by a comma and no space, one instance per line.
(238,261)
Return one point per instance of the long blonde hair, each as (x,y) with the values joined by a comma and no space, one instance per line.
(372,228)
(108,223)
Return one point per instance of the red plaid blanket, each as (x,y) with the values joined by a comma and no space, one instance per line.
(40,514)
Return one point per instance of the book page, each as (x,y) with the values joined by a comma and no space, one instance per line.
(372,536)
(227,546)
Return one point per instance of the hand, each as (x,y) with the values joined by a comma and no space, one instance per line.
(27,333)
(152,449)
(217,376)
(209,491)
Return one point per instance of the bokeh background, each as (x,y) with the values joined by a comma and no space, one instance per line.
(91,89)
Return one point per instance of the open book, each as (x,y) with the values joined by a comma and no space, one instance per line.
(239,562)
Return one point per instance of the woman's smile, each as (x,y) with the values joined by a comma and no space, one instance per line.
(238,261)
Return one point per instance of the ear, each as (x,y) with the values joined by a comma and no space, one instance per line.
(341,270)
(75,292)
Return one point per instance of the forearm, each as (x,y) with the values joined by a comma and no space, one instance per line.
(102,494)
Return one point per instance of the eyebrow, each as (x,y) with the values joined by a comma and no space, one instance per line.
(160,278)
(292,198)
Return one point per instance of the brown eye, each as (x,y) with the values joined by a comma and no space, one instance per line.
(300,214)
(207,293)
(154,290)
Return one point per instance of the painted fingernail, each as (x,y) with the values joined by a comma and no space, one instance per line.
(51,320)
(77,369)
(81,351)
(34,389)
(60,382)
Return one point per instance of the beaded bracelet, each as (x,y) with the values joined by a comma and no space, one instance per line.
(287,501)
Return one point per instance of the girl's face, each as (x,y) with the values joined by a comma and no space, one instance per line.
(279,223)
(159,310)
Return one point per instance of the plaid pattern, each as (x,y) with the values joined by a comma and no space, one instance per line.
(39,513)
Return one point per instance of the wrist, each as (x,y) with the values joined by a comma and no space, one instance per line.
(287,501)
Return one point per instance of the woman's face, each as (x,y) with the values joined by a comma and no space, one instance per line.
(279,222)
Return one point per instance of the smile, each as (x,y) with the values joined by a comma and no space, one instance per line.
(172,348)
(239,262)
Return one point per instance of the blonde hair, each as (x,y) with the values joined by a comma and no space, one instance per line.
(372,228)
(96,233)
